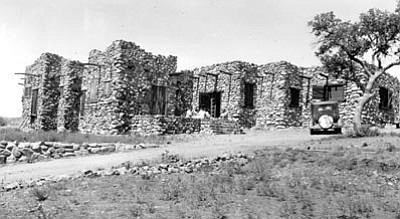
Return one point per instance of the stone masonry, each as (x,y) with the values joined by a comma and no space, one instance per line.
(282,93)
(119,83)
(373,113)
(226,82)
(105,95)
(126,90)
(41,92)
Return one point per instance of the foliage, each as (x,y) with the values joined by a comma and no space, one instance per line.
(360,51)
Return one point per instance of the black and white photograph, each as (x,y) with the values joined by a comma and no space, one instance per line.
(199,109)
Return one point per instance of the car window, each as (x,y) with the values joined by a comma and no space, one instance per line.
(324,108)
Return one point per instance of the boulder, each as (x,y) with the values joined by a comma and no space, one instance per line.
(49,144)
(23,145)
(94,150)
(37,146)
(44,147)
(5,152)
(17,153)
(10,146)
(69,154)
(11,186)
(27,152)
(3,159)
(59,150)
(11,159)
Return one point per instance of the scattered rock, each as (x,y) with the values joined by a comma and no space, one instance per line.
(3,159)
(11,186)
(36,146)
(69,154)
(5,152)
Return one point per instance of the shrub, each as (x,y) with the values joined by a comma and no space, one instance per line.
(40,194)
(3,121)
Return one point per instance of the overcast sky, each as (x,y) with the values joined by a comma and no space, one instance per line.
(199,32)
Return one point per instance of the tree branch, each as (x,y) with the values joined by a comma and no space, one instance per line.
(355,59)
(379,62)
(390,66)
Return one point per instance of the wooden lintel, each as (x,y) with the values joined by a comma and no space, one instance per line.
(28,74)
(175,74)
(91,64)
(212,74)
(202,75)
(307,77)
(224,72)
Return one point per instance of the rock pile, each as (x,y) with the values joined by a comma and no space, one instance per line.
(213,165)
(38,151)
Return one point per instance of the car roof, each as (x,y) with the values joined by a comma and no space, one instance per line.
(324,102)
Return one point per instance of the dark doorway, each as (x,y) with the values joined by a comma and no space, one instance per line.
(158,104)
(211,102)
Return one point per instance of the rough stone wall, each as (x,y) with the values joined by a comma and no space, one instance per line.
(43,75)
(107,94)
(220,126)
(271,92)
(159,125)
(230,85)
(69,103)
(183,83)
(380,117)
(372,114)
(273,107)
(125,74)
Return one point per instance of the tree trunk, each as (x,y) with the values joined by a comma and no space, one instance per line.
(366,97)
(358,112)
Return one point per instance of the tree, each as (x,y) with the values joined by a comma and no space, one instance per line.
(360,51)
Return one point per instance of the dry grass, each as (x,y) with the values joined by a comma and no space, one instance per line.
(15,134)
(291,183)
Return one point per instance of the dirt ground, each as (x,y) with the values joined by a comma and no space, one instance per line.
(188,147)
(295,175)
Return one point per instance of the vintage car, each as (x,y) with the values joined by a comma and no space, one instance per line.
(325,118)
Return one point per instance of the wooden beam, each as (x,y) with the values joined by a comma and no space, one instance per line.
(225,72)
(212,74)
(92,64)
(175,74)
(229,89)
(28,74)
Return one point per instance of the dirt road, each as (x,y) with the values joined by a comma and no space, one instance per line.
(194,147)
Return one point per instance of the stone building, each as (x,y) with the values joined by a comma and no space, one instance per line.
(381,110)
(278,95)
(45,104)
(122,82)
(113,93)
(125,89)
